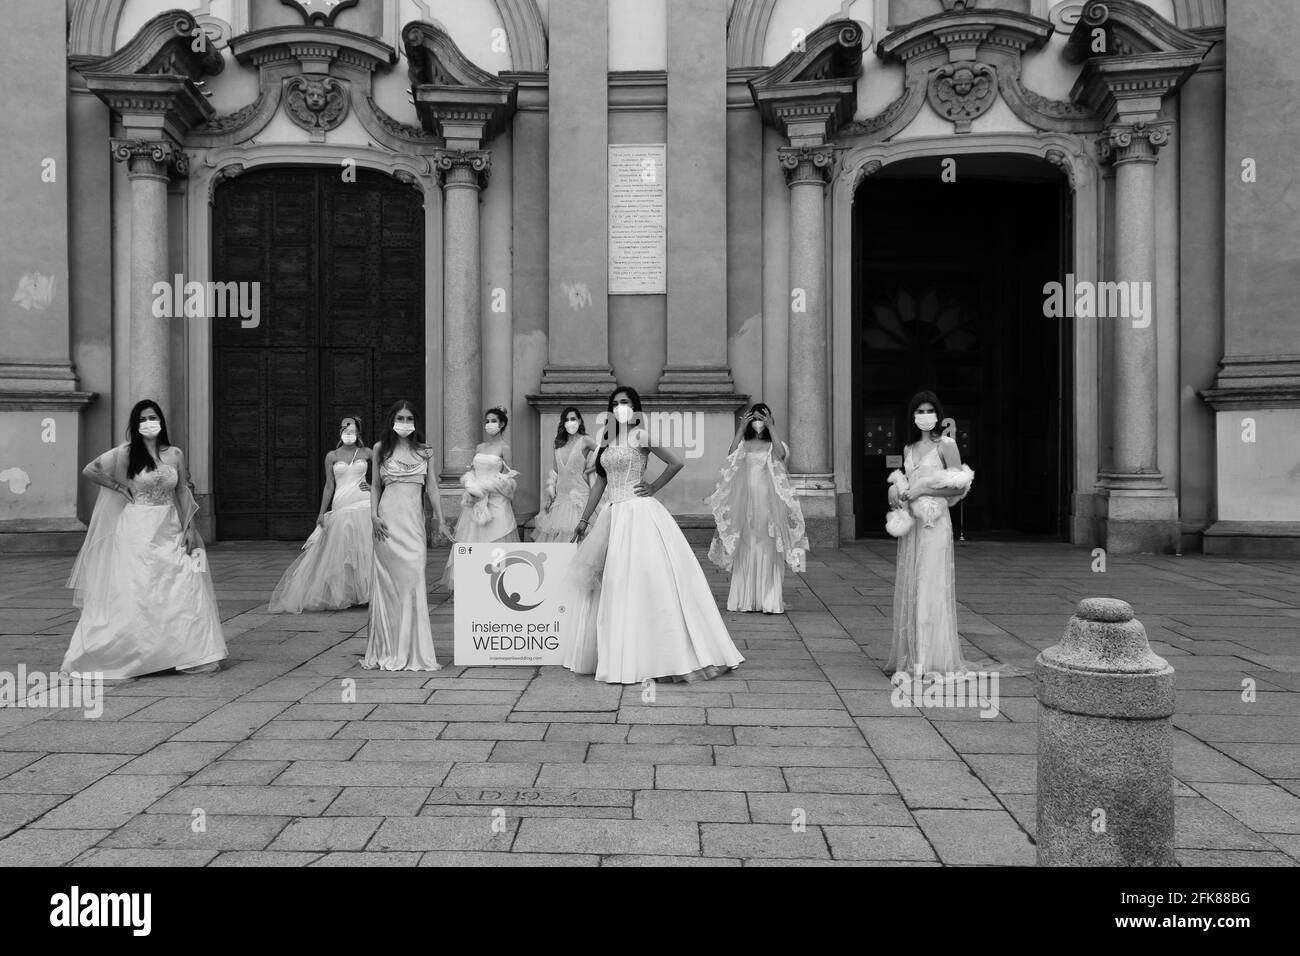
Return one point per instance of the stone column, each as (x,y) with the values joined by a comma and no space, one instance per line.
(464,175)
(697,199)
(1142,511)
(148,163)
(807,170)
(578,209)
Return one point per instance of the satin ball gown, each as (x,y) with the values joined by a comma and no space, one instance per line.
(334,569)
(400,637)
(485,510)
(147,605)
(645,610)
(567,490)
(925,599)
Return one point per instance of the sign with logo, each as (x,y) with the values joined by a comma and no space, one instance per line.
(514,605)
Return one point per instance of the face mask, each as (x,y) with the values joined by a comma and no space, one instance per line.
(150,429)
(571,427)
(759,426)
(492,428)
(349,439)
(623,413)
(925,421)
(403,428)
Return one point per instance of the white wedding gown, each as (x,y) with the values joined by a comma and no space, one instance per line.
(645,609)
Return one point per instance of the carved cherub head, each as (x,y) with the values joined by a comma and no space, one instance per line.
(314,95)
(963,80)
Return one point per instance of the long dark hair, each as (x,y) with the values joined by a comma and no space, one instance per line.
(391,438)
(562,435)
(140,459)
(750,432)
(920,398)
(635,399)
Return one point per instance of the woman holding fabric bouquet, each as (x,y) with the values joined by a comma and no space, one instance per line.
(334,569)
(933,479)
(485,510)
(644,610)
(142,577)
(760,523)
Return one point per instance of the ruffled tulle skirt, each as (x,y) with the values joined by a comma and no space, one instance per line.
(150,606)
(499,526)
(645,610)
(558,524)
(334,571)
(757,576)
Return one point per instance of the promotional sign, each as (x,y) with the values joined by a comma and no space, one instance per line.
(513,603)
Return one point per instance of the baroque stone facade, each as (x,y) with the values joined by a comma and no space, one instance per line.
(1173,424)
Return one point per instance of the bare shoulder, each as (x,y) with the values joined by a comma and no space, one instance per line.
(174,453)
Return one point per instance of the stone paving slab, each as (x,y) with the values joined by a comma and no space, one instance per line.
(293,755)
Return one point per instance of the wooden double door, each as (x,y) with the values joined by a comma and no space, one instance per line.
(340,268)
(948,296)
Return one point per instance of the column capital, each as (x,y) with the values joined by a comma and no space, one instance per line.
(1133,142)
(150,158)
(806,164)
(463,167)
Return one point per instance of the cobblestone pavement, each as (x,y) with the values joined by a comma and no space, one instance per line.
(263,764)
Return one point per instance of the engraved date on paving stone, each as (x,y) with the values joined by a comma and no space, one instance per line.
(530,796)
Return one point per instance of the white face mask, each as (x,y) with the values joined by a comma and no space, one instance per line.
(623,413)
(492,428)
(759,426)
(925,420)
(151,428)
(348,438)
(403,428)
(571,427)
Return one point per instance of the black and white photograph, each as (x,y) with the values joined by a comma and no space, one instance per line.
(651,434)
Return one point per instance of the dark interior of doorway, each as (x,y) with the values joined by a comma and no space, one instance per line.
(340,262)
(948,296)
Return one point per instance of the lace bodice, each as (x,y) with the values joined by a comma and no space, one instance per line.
(157,487)
(624,466)
(404,471)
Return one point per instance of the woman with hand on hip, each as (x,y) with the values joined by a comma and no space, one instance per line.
(760,523)
(142,578)
(645,610)
(400,635)
(334,569)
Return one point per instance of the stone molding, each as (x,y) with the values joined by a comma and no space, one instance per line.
(1133,142)
(1255,381)
(806,164)
(455,98)
(811,93)
(150,158)
(463,167)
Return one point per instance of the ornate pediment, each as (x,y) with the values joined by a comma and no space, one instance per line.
(1132,59)
(456,99)
(153,83)
(814,90)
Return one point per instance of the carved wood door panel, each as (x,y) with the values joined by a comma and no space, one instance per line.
(340,267)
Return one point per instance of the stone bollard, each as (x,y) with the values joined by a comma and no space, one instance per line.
(1105,743)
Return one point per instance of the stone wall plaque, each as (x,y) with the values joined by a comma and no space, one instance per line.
(638,233)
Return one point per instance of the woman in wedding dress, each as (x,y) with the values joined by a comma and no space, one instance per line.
(334,569)
(926,642)
(400,637)
(485,510)
(645,610)
(142,577)
(760,524)
(569,484)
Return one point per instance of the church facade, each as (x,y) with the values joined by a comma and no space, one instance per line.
(1074,221)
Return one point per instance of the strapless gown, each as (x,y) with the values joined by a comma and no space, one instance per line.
(645,609)
(148,606)
(568,490)
(334,569)
(400,637)
(485,511)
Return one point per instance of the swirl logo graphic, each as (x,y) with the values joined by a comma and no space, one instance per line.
(503,561)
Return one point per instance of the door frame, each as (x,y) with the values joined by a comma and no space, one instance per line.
(1072,155)
(213,166)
